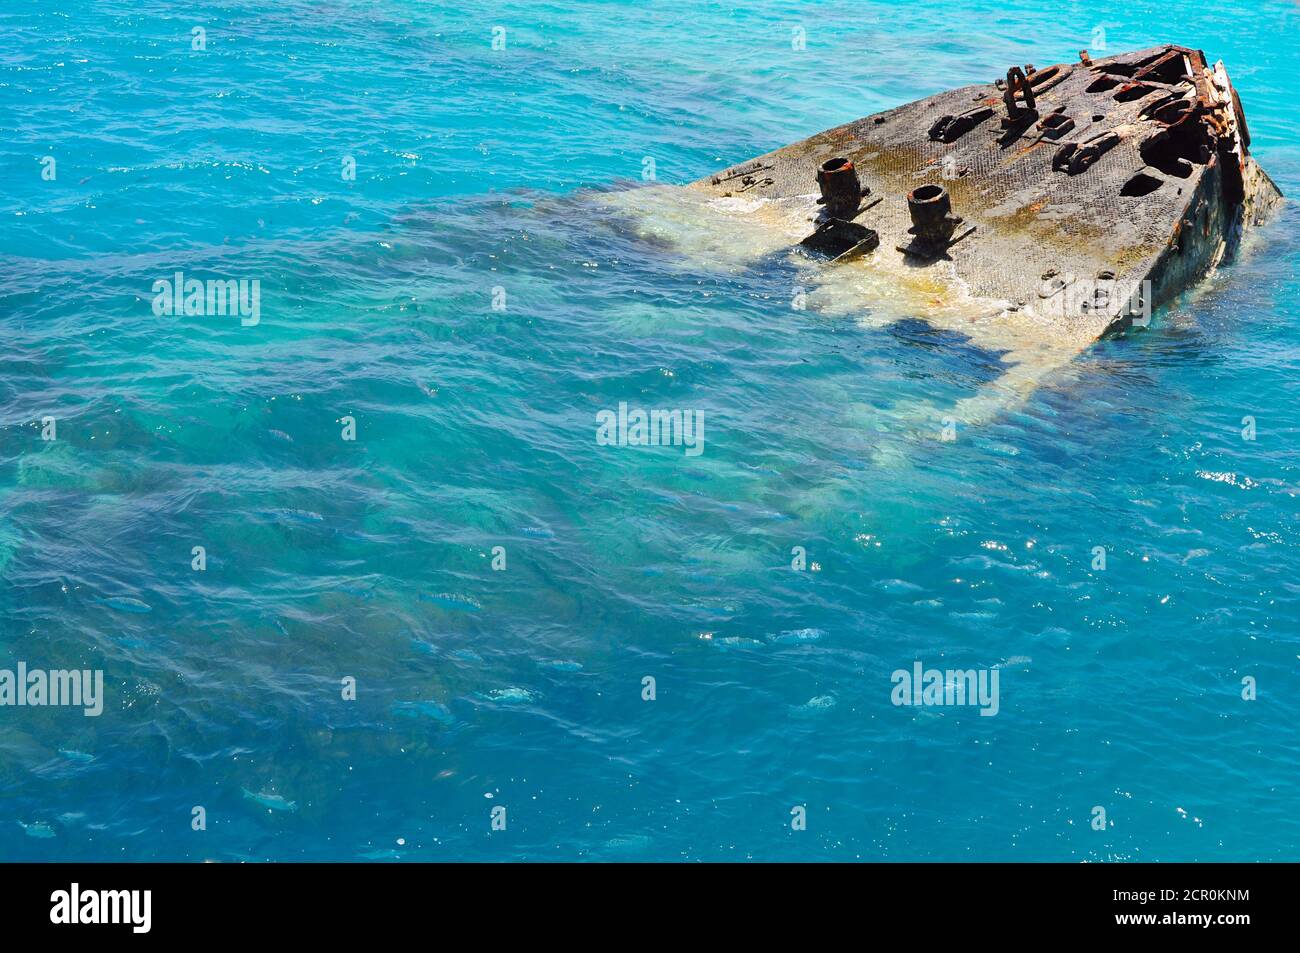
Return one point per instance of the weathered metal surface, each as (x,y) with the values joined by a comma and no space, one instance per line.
(1090,177)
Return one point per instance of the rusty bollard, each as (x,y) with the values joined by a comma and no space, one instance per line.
(840,188)
(932,219)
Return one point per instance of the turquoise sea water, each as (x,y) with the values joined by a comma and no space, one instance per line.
(481,169)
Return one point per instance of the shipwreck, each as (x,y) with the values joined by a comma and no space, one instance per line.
(1075,197)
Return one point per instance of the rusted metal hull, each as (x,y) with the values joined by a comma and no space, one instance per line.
(1074,196)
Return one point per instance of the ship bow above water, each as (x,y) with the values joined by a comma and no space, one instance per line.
(1076,196)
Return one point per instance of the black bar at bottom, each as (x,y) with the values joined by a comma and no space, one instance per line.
(330,902)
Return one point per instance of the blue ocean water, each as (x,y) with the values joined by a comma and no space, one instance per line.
(482,172)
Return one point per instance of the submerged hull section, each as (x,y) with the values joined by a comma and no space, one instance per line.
(1074,196)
